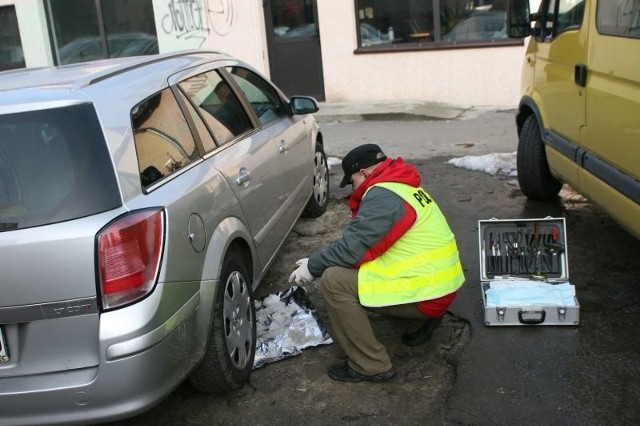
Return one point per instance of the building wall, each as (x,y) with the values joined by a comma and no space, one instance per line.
(236,27)
(475,76)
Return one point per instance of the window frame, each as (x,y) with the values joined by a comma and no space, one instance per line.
(282,100)
(546,28)
(101,37)
(16,64)
(199,121)
(606,31)
(430,45)
(192,159)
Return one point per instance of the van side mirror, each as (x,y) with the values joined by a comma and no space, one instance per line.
(518,19)
(301,105)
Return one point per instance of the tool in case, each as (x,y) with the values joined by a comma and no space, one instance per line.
(524,273)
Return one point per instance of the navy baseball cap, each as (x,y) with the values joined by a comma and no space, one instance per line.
(359,158)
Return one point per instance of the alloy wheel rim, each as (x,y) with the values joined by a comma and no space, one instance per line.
(238,320)
(320,179)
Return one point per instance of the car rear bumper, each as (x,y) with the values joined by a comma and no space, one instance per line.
(132,376)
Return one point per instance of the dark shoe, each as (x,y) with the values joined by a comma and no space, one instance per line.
(422,334)
(343,373)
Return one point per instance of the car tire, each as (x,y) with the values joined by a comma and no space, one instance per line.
(317,204)
(231,347)
(534,177)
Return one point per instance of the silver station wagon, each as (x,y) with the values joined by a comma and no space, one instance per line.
(141,202)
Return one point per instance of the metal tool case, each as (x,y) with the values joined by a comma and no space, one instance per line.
(524,273)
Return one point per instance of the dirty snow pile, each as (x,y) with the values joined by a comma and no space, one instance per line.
(333,162)
(502,163)
(286,323)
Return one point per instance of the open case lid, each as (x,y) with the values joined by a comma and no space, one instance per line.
(531,249)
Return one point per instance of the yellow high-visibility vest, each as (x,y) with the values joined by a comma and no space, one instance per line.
(423,264)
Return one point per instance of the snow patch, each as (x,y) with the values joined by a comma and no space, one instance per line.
(500,163)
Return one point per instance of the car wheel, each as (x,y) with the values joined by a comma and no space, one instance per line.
(231,348)
(534,177)
(317,204)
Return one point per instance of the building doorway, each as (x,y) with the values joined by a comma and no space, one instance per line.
(293,41)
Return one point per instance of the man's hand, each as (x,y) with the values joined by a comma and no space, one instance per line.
(301,274)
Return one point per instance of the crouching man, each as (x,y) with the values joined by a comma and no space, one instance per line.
(397,257)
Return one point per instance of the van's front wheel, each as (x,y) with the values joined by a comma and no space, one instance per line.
(534,177)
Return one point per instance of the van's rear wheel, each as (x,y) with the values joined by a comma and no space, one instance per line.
(534,177)
(231,347)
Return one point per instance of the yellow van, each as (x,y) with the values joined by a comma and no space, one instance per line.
(579,116)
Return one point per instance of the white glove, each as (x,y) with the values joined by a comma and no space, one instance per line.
(301,274)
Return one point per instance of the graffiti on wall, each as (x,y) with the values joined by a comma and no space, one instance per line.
(197,19)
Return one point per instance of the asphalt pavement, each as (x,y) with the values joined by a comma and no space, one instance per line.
(468,373)
(588,374)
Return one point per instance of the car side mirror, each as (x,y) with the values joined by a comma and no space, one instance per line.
(301,105)
(518,19)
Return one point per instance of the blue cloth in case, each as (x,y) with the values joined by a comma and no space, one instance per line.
(515,293)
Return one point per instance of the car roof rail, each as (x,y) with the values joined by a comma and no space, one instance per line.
(144,60)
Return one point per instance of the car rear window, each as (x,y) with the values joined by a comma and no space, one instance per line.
(54,167)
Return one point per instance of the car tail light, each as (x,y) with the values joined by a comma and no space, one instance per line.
(129,252)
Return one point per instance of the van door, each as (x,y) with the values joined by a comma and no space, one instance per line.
(559,64)
(613,92)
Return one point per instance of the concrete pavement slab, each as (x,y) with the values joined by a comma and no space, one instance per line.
(387,111)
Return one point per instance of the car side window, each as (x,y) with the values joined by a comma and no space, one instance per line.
(217,104)
(208,144)
(619,18)
(264,99)
(163,140)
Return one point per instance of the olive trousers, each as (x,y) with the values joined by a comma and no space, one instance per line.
(350,325)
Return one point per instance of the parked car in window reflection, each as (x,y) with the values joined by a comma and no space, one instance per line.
(480,25)
(141,202)
(120,45)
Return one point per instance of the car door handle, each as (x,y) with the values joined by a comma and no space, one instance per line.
(283,147)
(244,176)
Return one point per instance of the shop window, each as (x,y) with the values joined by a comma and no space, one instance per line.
(85,31)
(430,23)
(11,55)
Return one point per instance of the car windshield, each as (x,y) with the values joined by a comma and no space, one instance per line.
(54,166)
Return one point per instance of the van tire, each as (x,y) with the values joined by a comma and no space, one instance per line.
(231,347)
(534,177)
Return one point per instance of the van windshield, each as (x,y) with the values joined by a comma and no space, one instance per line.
(54,166)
